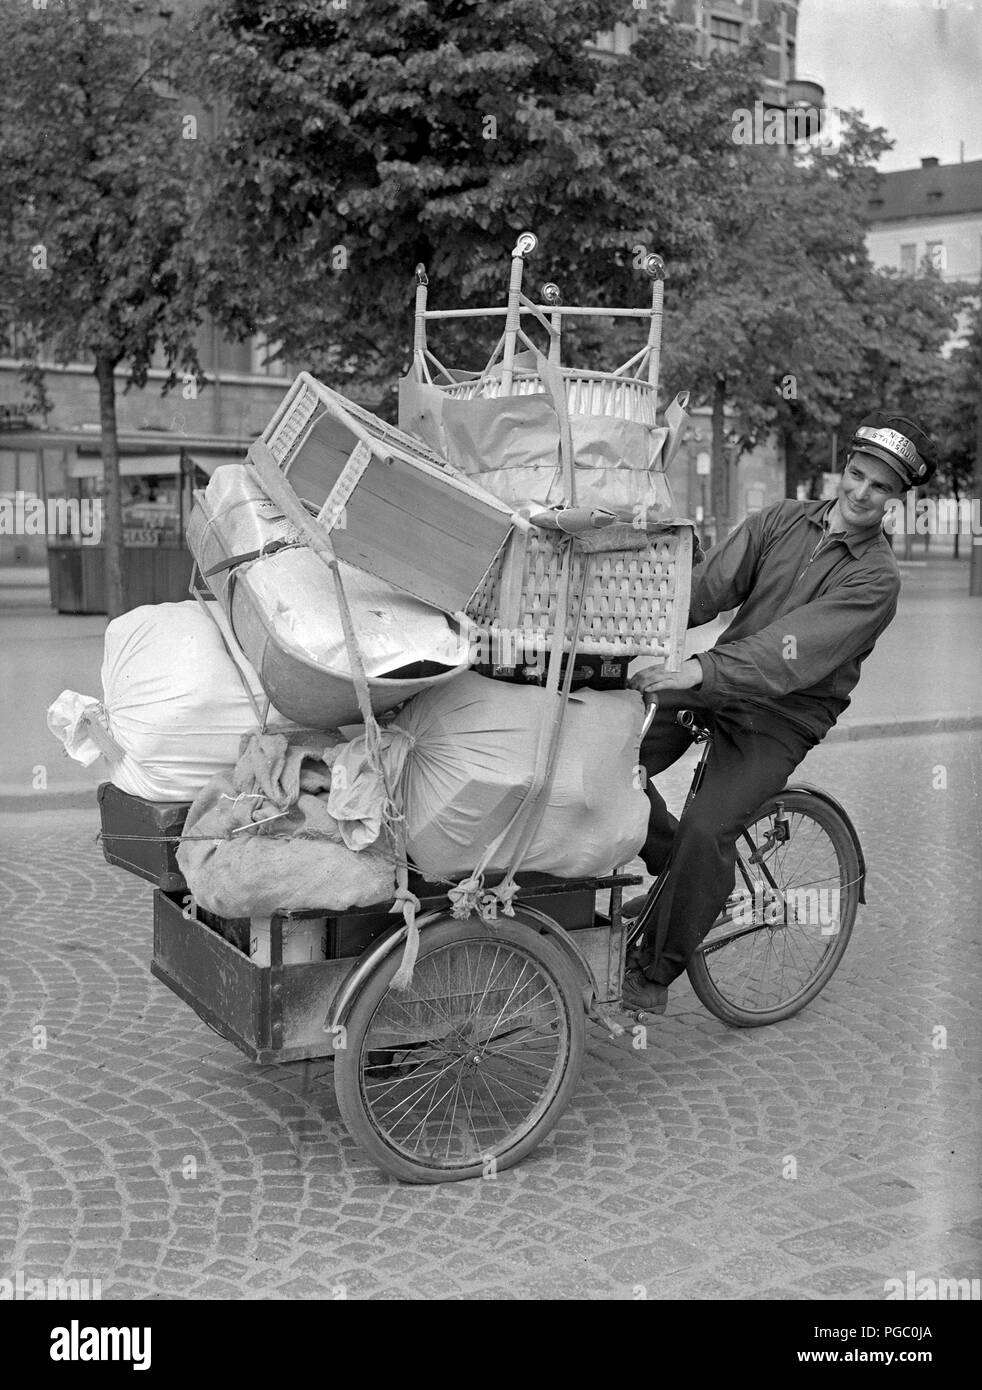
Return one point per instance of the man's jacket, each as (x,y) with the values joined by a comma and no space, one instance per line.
(811,608)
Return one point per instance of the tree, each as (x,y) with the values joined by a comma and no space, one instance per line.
(773,330)
(360,140)
(97,173)
(907,320)
(961,431)
(794,328)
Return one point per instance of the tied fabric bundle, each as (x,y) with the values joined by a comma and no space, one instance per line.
(178,695)
(461,760)
(261,839)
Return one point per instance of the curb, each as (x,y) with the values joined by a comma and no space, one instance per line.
(900,728)
(72,799)
(84,798)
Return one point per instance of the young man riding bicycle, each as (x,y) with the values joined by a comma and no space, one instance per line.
(816,584)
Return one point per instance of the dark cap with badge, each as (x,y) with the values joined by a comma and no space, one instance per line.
(899,442)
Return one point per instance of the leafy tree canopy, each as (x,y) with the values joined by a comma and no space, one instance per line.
(96,177)
(793,324)
(358,141)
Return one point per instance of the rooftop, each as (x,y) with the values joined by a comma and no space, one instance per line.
(932,190)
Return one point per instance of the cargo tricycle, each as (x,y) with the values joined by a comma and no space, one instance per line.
(463,1066)
(468,1069)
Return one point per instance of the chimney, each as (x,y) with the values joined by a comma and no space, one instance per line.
(929,161)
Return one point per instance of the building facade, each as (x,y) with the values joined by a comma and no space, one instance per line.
(723,26)
(929,216)
(166,442)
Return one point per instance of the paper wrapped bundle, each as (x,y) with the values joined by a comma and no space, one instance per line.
(463,757)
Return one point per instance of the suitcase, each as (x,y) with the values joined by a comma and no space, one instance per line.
(141,836)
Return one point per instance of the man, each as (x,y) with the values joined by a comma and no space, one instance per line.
(816,583)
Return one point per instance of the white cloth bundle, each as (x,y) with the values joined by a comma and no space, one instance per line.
(173,701)
(464,755)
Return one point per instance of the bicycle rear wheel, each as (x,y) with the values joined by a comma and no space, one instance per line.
(789,922)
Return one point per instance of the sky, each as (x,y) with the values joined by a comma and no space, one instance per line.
(913,66)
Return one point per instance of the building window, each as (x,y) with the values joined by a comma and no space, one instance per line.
(8,473)
(262,351)
(769,16)
(908,258)
(937,256)
(618,40)
(789,53)
(724,35)
(18,472)
(234,358)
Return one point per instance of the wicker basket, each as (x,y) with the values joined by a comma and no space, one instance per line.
(308,398)
(637,599)
(587,393)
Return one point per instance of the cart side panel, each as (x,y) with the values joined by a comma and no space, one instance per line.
(302,996)
(595,946)
(221,984)
(271,1013)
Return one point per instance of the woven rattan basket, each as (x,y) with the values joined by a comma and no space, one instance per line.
(636,604)
(587,393)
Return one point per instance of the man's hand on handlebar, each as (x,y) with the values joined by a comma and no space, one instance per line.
(654,679)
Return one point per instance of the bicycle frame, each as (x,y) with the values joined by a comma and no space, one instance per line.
(701,733)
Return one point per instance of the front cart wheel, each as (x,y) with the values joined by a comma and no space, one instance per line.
(465,1072)
(798,883)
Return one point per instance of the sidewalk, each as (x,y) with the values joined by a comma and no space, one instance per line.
(924,676)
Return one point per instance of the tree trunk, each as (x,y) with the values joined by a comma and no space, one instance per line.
(792,459)
(958,515)
(975,563)
(111,497)
(719,480)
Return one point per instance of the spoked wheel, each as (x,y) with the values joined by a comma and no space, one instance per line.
(789,920)
(464,1073)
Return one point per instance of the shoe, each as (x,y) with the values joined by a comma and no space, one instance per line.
(640,993)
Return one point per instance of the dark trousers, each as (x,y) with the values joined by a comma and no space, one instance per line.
(752,755)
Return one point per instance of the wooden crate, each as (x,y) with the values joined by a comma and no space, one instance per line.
(391,506)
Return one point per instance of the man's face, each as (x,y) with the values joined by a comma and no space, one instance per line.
(866,486)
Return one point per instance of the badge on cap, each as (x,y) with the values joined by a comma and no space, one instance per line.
(895,443)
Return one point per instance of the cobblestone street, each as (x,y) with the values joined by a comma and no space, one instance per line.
(817,1158)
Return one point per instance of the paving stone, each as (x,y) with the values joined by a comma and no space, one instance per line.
(665,1173)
